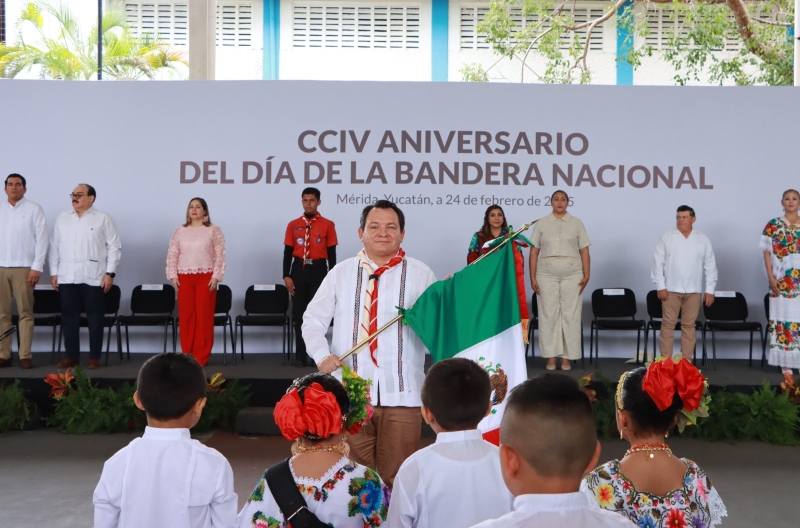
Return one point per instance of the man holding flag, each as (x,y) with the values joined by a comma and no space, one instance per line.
(362,294)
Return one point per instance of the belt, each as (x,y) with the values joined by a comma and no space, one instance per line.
(310,261)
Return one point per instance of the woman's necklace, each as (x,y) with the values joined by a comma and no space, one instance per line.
(649,449)
(342,447)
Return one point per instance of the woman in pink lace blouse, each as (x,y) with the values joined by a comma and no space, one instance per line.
(195,265)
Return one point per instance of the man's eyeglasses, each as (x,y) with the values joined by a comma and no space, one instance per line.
(76,195)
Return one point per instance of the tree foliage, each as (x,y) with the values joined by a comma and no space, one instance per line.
(60,51)
(716,41)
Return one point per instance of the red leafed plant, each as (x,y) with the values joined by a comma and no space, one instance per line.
(59,383)
(584,383)
(791,387)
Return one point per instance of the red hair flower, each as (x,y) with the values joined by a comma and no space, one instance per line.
(320,415)
(666,378)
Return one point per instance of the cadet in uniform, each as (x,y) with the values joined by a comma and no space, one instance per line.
(310,251)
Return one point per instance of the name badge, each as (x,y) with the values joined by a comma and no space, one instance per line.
(152,287)
(613,291)
(725,294)
(264,287)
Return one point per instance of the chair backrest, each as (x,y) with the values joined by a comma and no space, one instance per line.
(224,299)
(654,310)
(766,306)
(534,307)
(727,309)
(112,299)
(267,301)
(46,302)
(614,305)
(153,301)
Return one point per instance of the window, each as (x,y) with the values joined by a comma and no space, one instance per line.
(663,23)
(355,25)
(473,14)
(170,21)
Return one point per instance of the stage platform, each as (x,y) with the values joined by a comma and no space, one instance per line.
(269,378)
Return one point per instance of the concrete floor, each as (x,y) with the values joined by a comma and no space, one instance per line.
(47,479)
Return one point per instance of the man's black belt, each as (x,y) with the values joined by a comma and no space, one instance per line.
(298,260)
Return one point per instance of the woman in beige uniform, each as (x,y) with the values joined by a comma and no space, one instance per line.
(559,266)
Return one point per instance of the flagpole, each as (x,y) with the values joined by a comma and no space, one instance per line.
(369,338)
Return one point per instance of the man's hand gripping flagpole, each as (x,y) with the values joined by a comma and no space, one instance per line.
(491,249)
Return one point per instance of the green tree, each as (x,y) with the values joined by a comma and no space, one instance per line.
(523,29)
(63,53)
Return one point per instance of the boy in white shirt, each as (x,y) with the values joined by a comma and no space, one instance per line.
(166,479)
(548,441)
(455,482)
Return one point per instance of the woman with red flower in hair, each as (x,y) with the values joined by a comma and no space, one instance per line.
(319,485)
(649,485)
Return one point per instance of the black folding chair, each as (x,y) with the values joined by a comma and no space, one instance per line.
(654,312)
(46,312)
(611,308)
(266,305)
(222,317)
(729,314)
(151,305)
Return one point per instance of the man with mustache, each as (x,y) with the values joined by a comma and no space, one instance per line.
(84,254)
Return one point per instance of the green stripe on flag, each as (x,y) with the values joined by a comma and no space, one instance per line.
(477,303)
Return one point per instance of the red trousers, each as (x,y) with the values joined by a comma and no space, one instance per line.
(196,311)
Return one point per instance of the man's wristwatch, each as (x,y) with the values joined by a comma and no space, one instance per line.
(112,275)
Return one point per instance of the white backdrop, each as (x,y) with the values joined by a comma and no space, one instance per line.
(129,140)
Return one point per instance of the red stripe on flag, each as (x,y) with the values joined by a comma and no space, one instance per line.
(493,436)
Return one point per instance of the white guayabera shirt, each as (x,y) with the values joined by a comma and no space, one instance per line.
(455,482)
(23,243)
(165,479)
(398,377)
(564,510)
(84,248)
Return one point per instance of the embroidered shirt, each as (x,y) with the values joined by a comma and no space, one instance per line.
(694,505)
(559,237)
(165,479)
(455,482)
(400,354)
(322,235)
(196,250)
(23,243)
(564,510)
(679,263)
(84,248)
(348,495)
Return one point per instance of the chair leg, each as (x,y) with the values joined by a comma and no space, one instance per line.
(713,350)
(638,343)
(233,338)
(597,349)
(225,343)
(53,350)
(763,349)
(646,339)
(166,333)
(119,342)
(127,343)
(750,362)
(591,342)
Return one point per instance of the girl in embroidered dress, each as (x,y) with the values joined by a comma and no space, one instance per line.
(779,243)
(494,226)
(337,490)
(195,265)
(649,486)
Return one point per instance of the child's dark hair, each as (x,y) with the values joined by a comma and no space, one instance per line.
(548,420)
(457,391)
(329,384)
(170,384)
(643,410)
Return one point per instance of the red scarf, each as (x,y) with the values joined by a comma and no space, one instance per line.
(369,317)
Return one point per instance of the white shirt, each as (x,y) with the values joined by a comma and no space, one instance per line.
(679,263)
(400,354)
(165,480)
(84,248)
(563,510)
(455,482)
(23,235)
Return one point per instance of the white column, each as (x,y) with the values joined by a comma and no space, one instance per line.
(202,39)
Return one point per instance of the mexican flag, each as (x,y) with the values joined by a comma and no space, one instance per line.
(476,314)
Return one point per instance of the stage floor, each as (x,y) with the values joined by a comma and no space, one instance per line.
(270,367)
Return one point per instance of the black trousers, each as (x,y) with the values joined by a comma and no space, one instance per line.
(307,280)
(77,299)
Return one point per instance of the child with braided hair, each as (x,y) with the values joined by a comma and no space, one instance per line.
(649,485)
(319,485)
